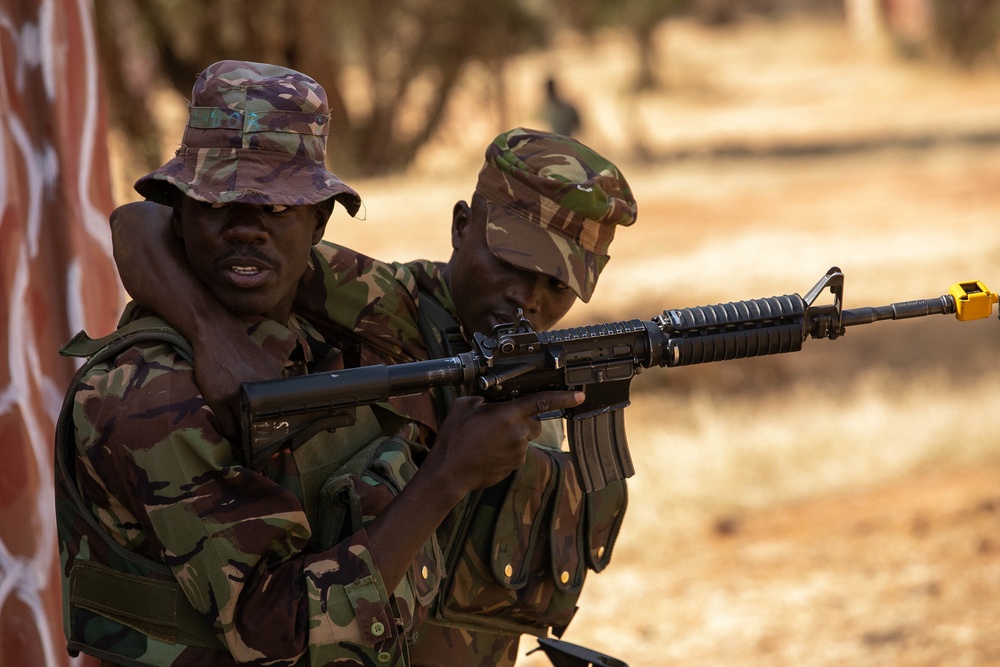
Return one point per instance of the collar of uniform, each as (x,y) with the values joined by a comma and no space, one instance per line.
(430,279)
(288,344)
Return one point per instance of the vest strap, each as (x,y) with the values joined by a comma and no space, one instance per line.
(146,328)
(443,337)
(155,607)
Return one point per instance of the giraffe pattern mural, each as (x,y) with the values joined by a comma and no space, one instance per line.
(56,277)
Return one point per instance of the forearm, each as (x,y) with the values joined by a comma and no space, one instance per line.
(479,444)
(401,529)
(155,272)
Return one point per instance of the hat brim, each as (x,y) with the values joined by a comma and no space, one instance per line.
(527,246)
(249,176)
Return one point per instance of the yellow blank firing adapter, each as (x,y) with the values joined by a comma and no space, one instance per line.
(973,300)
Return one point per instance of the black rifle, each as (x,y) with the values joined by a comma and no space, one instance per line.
(600,359)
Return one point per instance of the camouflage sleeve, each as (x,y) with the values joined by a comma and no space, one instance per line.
(373,300)
(235,539)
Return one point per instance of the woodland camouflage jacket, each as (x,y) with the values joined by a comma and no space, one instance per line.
(166,485)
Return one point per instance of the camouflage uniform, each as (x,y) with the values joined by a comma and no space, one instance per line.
(552,206)
(174,549)
(240,542)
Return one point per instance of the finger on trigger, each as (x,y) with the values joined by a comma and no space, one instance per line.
(548,401)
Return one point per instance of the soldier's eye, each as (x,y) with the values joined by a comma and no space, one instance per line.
(557,285)
(276,208)
(213,205)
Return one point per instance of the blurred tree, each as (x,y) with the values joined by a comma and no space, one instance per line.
(640,18)
(388,66)
(968,30)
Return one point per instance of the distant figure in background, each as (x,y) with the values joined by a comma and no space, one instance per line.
(562,117)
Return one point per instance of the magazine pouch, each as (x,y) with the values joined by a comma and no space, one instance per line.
(519,551)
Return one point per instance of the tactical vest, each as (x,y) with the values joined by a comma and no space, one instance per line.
(518,552)
(111,592)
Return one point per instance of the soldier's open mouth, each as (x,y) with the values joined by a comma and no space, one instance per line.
(246,276)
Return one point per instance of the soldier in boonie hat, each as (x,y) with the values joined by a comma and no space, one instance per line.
(553,205)
(256,134)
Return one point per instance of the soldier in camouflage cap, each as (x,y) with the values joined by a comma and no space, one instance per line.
(537,231)
(553,205)
(534,237)
(256,134)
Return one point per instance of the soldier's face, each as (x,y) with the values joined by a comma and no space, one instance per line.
(488,291)
(250,257)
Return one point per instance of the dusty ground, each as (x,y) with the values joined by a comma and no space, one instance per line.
(839,506)
(903,573)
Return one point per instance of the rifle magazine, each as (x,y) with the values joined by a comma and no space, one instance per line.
(599,447)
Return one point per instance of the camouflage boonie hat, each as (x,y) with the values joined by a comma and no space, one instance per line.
(553,205)
(256,134)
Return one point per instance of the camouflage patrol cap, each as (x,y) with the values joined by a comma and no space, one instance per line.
(553,205)
(256,134)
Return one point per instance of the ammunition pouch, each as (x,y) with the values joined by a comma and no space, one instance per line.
(519,551)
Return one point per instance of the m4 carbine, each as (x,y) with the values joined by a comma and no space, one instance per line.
(600,359)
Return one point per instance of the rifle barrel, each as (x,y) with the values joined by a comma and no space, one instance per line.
(942,305)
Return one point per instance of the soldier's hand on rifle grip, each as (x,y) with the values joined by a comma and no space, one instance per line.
(480,443)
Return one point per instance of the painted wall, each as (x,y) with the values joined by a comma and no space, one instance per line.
(56,277)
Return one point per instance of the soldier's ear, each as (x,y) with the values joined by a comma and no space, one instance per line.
(460,216)
(176,200)
(324,210)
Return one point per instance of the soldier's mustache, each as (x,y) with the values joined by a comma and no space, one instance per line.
(252,253)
